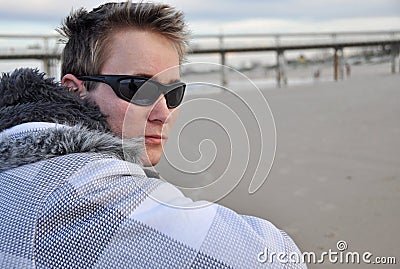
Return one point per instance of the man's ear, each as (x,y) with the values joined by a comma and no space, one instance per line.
(75,85)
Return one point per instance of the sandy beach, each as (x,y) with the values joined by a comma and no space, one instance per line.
(336,169)
(336,172)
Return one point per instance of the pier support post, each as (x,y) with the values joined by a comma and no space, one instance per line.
(398,56)
(223,73)
(280,69)
(50,67)
(394,52)
(338,64)
(46,66)
(341,64)
(224,82)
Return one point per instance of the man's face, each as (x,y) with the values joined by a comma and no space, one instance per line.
(139,53)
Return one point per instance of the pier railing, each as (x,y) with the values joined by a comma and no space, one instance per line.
(47,48)
(226,44)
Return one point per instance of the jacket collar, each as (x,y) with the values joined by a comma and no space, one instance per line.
(32,142)
(30,127)
(41,119)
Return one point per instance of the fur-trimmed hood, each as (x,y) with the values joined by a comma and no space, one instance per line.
(26,96)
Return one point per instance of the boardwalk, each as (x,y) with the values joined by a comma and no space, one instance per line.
(49,49)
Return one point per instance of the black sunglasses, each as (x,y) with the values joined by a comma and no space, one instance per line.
(141,91)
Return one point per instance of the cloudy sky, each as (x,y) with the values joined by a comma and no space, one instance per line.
(228,16)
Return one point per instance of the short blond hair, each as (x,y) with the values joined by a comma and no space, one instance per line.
(87,35)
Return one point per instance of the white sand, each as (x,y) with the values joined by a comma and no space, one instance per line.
(337,170)
(336,174)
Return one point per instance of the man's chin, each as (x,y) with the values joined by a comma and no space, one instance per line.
(148,163)
(152,157)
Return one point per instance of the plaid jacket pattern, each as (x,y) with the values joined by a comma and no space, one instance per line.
(90,210)
(70,198)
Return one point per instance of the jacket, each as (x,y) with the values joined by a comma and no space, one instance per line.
(73,195)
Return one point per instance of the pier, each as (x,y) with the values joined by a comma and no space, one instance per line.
(48,49)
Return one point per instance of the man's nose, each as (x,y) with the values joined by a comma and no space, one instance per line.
(160,111)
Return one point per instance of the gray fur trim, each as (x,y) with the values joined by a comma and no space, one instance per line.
(54,142)
(27,96)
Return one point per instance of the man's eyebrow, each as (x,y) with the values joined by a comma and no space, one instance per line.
(144,75)
(151,76)
(174,80)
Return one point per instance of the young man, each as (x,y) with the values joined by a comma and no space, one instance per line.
(74,195)
(150,44)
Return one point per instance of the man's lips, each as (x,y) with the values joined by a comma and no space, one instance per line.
(154,139)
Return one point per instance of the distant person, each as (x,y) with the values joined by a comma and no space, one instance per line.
(302,59)
(348,70)
(317,74)
(75,195)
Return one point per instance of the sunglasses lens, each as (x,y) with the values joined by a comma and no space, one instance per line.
(174,97)
(128,88)
(145,92)
(139,91)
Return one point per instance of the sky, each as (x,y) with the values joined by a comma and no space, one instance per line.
(215,17)
(225,16)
